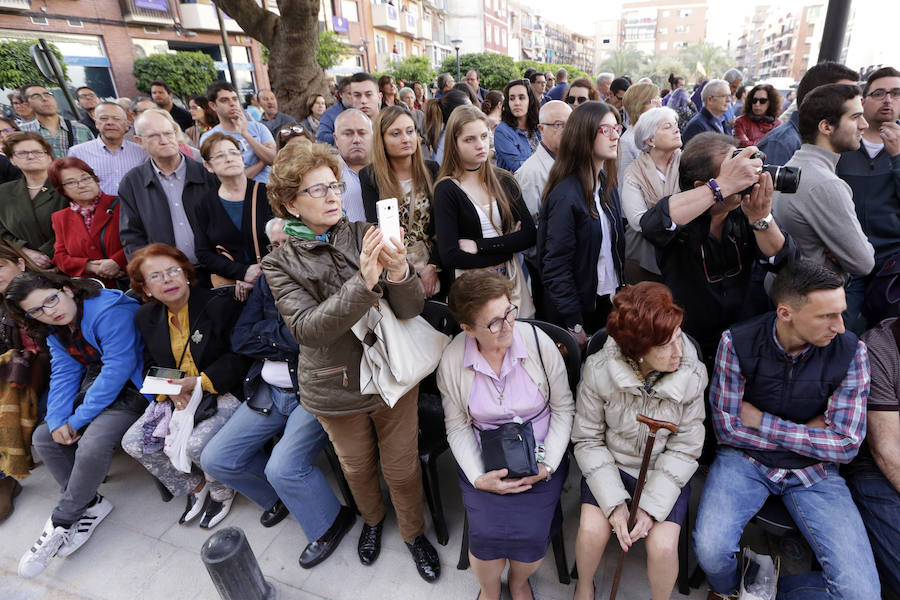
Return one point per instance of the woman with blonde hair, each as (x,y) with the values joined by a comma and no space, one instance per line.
(637,100)
(482,221)
(398,171)
(324,279)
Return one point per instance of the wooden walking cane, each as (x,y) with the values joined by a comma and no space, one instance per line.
(654,426)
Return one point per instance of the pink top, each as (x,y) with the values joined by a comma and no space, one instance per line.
(496,400)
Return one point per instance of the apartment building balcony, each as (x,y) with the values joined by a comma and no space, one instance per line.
(385,16)
(423,32)
(439,5)
(15,4)
(408,24)
(202,17)
(136,14)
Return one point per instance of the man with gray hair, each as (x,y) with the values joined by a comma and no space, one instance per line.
(353,138)
(154,195)
(716,97)
(735,78)
(110,155)
(603,82)
(445,83)
(534,172)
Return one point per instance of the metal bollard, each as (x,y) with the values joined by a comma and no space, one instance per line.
(233,567)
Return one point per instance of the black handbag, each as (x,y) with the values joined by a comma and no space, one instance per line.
(512,446)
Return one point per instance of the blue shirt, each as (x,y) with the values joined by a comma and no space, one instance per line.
(325,133)
(558,91)
(512,147)
(258,132)
(109,165)
(780,144)
(173,186)
(235,211)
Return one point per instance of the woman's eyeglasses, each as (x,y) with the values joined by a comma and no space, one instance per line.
(49,302)
(78,182)
(607,129)
(509,317)
(320,189)
(578,99)
(158,276)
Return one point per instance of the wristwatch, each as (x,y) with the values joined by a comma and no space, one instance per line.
(763,223)
(549,470)
(576,329)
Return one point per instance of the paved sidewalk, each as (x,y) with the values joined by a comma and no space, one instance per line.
(140,552)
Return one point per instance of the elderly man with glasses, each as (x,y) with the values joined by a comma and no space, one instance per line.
(534,172)
(716,97)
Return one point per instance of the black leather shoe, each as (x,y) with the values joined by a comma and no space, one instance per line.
(317,551)
(426,558)
(369,543)
(274,515)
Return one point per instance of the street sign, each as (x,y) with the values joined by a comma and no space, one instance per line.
(48,67)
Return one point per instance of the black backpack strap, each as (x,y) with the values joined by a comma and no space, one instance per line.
(70,133)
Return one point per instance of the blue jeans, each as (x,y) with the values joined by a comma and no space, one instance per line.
(736,489)
(879,506)
(235,457)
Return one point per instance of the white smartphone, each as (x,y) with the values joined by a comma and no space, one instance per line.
(389,219)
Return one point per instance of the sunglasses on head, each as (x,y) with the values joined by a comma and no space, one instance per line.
(576,99)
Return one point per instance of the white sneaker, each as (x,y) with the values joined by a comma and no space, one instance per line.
(84,527)
(36,559)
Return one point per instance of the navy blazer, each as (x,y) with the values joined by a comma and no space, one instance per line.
(144,216)
(569,240)
(704,121)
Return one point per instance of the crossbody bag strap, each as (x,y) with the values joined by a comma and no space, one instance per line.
(253,223)
(70,133)
(109,211)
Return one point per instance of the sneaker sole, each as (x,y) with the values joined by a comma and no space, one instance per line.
(85,525)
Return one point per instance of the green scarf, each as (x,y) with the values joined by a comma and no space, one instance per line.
(296,228)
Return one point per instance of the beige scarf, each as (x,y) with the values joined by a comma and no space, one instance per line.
(647,178)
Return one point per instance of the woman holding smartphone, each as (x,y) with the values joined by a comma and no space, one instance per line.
(188,328)
(398,171)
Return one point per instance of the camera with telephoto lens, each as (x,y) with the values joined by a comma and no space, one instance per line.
(786,179)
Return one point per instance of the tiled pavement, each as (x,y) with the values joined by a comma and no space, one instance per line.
(140,552)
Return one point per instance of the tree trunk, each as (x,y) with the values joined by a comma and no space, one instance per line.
(291,39)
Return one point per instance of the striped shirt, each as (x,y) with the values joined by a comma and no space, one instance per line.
(845,416)
(60,142)
(109,165)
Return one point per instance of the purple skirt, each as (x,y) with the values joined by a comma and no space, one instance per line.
(679,511)
(513,526)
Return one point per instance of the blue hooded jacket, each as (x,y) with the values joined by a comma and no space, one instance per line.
(107,324)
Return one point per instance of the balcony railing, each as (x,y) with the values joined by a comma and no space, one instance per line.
(202,17)
(153,12)
(386,16)
(15,4)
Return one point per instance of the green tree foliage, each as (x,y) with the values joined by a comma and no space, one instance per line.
(16,68)
(330,49)
(187,73)
(713,59)
(623,61)
(574,72)
(413,68)
(495,70)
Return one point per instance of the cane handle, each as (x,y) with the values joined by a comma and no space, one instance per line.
(655,425)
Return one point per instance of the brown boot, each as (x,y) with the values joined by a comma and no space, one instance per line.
(9,489)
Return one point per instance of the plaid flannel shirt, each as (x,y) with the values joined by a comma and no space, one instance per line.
(845,416)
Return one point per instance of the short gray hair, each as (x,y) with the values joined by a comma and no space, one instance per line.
(732,75)
(352,111)
(139,122)
(271,224)
(649,122)
(607,76)
(138,100)
(405,91)
(711,86)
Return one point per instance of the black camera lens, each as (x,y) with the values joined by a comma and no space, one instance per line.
(786,179)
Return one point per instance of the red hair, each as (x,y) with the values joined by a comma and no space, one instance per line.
(150,251)
(54,173)
(643,316)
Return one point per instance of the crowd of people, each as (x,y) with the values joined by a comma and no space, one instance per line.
(225,251)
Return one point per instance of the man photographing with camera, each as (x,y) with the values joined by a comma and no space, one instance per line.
(709,236)
(820,215)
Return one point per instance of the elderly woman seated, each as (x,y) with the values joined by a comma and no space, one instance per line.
(497,372)
(651,176)
(185,327)
(647,366)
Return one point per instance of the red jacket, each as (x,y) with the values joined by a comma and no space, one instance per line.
(750,132)
(75,245)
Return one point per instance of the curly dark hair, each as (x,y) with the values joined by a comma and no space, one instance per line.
(531,117)
(773,109)
(644,315)
(29,281)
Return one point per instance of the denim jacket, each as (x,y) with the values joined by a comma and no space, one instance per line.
(780,144)
(511,145)
(261,334)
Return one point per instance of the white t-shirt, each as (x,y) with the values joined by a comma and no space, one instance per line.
(607,279)
(872,149)
(275,372)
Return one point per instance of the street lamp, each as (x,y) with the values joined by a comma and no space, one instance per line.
(456,44)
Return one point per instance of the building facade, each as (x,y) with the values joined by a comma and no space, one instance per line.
(659,26)
(480,25)
(790,43)
(101,39)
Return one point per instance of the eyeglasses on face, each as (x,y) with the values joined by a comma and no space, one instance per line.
(578,99)
(320,190)
(234,152)
(557,125)
(607,129)
(509,317)
(158,137)
(29,153)
(49,302)
(38,95)
(159,276)
(78,182)
(880,94)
